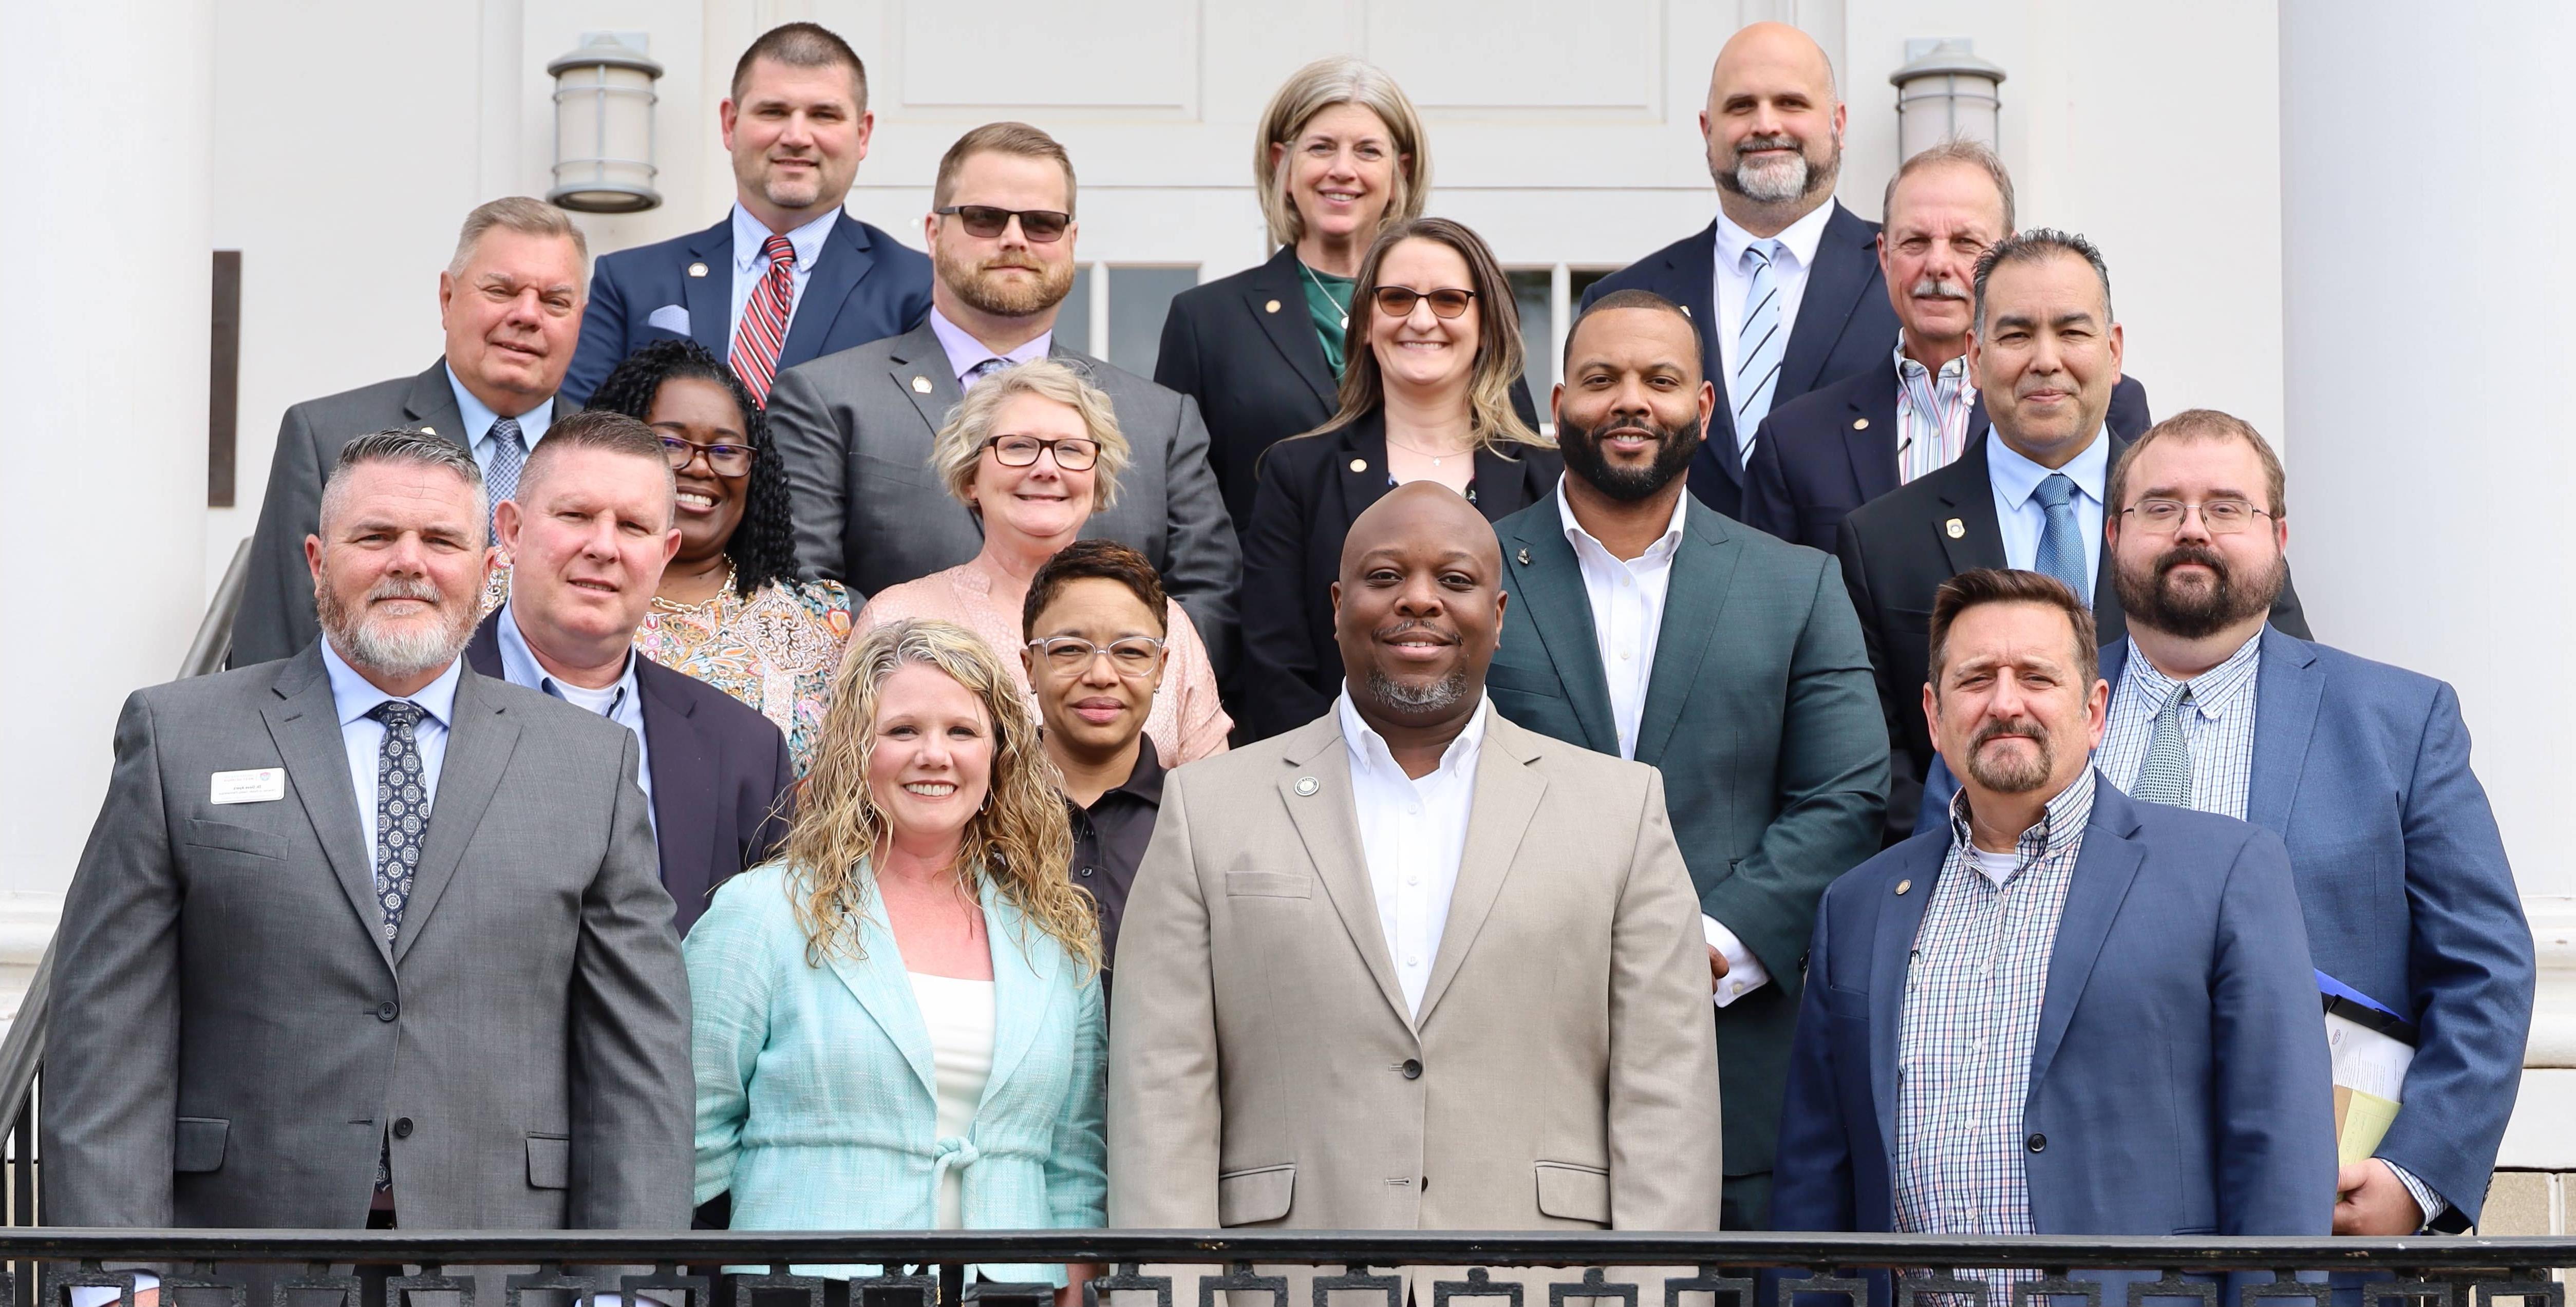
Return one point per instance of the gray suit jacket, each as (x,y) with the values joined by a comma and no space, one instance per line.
(230,1036)
(276,616)
(1264,1069)
(854,430)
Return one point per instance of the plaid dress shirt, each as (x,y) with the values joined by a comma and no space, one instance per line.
(2219,727)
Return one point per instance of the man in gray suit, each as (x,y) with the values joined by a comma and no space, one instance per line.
(510,302)
(363,938)
(854,428)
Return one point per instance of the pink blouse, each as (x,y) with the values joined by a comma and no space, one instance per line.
(1187,722)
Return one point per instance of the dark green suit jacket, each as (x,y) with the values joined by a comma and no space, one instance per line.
(1763,716)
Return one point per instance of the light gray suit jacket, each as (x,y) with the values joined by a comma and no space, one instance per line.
(276,617)
(854,429)
(231,1038)
(1264,1069)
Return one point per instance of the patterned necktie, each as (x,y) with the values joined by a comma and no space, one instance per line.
(2166,775)
(984,369)
(1758,345)
(763,331)
(2061,542)
(509,454)
(402,809)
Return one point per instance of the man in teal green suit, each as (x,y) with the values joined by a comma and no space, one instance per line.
(1647,625)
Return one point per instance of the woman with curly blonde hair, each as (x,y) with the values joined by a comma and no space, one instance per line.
(899,1023)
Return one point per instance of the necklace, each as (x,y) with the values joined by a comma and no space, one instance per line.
(663,605)
(1342,305)
(1420,452)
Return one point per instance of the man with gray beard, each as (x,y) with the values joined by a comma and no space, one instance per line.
(1783,287)
(362,938)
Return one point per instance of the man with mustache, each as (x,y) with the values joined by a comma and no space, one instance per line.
(1412,966)
(854,428)
(363,938)
(1647,625)
(1782,287)
(1914,410)
(510,303)
(2065,1012)
(787,276)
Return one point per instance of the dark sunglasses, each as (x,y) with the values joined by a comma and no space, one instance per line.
(1446,302)
(724,460)
(1041,226)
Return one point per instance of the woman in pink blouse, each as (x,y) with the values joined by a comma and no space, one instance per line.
(1033,451)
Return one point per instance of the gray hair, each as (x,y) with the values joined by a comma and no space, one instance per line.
(528,218)
(410,448)
(1971,154)
(1339,79)
(958,447)
(2032,246)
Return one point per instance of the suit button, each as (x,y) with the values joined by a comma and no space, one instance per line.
(402,1128)
(388,1010)
(1082,871)
(2037,1143)
(1412,1068)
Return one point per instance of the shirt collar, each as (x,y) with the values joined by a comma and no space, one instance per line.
(354,696)
(1664,547)
(2017,476)
(2060,823)
(964,351)
(750,237)
(1370,748)
(1906,366)
(1144,782)
(519,665)
(479,416)
(2213,692)
(1800,238)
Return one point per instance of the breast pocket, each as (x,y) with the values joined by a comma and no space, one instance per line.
(220,842)
(1269,885)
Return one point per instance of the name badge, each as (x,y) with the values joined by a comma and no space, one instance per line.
(259,785)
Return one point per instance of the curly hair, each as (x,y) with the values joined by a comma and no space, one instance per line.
(1019,838)
(763,547)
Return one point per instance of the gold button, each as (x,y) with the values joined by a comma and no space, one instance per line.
(697,269)
(1860,424)
(921,385)
(1359,465)
(1904,885)
(1271,307)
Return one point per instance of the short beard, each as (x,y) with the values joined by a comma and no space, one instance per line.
(2152,600)
(974,282)
(1581,447)
(401,654)
(2012,777)
(1782,183)
(1440,696)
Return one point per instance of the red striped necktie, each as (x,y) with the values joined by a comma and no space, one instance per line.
(764,320)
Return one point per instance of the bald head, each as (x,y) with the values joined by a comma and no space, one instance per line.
(1773,125)
(1419,607)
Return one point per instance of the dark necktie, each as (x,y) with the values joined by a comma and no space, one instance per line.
(984,369)
(402,809)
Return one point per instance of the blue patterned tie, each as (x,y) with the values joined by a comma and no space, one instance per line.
(1758,345)
(984,369)
(2061,542)
(2165,777)
(501,479)
(402,809)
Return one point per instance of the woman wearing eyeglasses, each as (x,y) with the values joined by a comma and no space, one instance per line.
(1435,352)
(730,610)
(1033,451)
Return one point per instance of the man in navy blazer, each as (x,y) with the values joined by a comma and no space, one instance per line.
(2141,1052)
(797,124)
(1774,129)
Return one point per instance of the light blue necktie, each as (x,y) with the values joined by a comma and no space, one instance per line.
(2061,542)
(1758,345)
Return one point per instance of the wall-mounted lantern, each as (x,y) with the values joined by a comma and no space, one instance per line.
(1945,92)
(604,125)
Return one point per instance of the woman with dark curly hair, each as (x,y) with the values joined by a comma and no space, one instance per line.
(730,610)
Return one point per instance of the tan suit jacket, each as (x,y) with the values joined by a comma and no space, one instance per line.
(1264,1069)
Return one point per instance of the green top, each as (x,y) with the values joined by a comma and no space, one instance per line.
(1328,301)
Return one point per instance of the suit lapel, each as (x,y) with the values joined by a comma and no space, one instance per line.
(1508,789)
(1845,259)
(1024,980)
(304,723)
(2103,873)
(1691,281)
(1327,822)
(710,298)
(686,780)
(2110,621)
(1552,599)
(846,260)
(1900,919)
(1967,530)
(1694,597)
(479,743)
(1361,471)
(1869,435)
(2287,690)
(431,403)
(1288,326)
(919,358)
(878,981)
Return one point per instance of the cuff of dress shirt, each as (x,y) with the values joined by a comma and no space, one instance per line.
(1744,973)
(2432,1203)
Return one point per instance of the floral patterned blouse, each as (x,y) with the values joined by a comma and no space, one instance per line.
(776,651)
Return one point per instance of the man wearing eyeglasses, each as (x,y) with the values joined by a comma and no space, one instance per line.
(854,429)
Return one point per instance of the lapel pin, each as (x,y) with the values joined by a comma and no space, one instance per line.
(1684,308)
(1524,558)
(1860,424)
(1359,465)
(921,385)
(1904,885)
(1306,785)
(429,431)
(1955,528)
(697,269)
(1271,307)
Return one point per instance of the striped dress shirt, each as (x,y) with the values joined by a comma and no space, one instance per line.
(1931,414)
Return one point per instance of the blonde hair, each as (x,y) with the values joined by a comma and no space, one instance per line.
(999,138)
(1496,425)
(1019,838)
(1338,79)
(958,449)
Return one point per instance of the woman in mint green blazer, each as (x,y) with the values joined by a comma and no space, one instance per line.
(899,1023)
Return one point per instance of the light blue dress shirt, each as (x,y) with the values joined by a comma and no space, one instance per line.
(2020,517)
(354,696)
(519,667)
(751,262)
(479,418)
(964,351)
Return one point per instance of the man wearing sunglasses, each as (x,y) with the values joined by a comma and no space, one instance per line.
(853,430)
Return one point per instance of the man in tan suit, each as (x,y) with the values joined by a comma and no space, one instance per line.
(1411,966)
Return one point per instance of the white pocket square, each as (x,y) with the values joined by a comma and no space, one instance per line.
(670,317)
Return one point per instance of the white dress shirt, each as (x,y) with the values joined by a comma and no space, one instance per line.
(2018,513)
(1788,273)
(751,262)
(1627,597)
(479,418)
(1413,833)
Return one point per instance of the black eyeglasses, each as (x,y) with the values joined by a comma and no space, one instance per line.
(1072,453)
(1446,302)
(725,460)
(1041,226)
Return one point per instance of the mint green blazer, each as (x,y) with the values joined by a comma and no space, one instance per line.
(816,1107)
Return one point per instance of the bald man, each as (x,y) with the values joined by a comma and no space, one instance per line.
(1783,286)
(1417,968)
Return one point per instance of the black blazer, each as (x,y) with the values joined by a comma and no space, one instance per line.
(723,788)
(1833,449)
(1844,321)
(1897,550)
(1244,347)
(1311,489)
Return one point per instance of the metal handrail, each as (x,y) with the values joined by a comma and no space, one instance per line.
(214,640)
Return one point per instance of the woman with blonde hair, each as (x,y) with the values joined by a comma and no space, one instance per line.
(1033,451)
(898,1025)
(1429,395)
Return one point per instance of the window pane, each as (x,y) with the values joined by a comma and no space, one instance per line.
(1073,317)
(1530,294)
(1579,280)
(1138,300)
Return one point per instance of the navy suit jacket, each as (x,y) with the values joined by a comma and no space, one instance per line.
(1833,449)
(1844,321)
(2363,769)
(722,782)
(866,286)
(2180,1083)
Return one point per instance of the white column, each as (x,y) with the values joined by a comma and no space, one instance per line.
(103,348)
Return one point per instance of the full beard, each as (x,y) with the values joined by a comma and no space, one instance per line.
(1439,696)
(1581,447)
(402,651)
(2153,599)
(1796,178)
(984,289)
